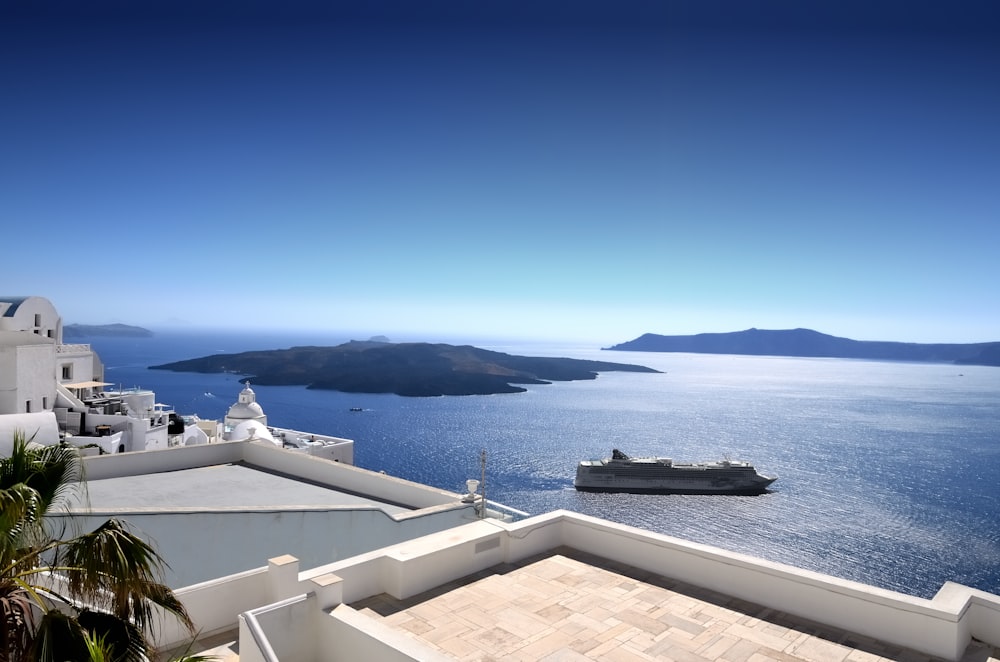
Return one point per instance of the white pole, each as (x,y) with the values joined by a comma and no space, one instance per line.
(482,483)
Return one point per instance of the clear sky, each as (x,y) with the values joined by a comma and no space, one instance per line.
(569,170)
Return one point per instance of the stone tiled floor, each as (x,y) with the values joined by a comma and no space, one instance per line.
(223,647)
(568,607)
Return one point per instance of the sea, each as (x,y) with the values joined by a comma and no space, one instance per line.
(888,472)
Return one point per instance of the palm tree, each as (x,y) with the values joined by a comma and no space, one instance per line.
(59,594)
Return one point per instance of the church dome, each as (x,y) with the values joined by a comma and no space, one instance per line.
(252,431)
(245,409)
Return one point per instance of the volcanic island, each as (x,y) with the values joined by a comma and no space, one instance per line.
(408,369)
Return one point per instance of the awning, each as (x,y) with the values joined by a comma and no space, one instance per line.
(87,384)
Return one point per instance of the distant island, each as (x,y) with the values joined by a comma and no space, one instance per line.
(808,343)
(410,369)
(105,330)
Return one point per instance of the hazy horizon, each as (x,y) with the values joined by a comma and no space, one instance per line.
(578,171)
(344,335)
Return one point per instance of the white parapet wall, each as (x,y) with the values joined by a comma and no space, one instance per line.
(155,461)
(334,474)
(347,477)
(356,637)
(290,627)
(943,626)
(931,626)
(214,606)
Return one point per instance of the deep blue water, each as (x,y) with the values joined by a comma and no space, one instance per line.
(889,473)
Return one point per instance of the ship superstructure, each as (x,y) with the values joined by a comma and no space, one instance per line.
(661,475)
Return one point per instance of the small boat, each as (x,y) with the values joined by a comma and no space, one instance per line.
(357,409)
(661,475)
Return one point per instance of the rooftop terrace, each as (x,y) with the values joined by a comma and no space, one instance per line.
(572,606)
(564,586)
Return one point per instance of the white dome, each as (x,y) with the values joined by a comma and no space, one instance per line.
(245,411)
(252,430)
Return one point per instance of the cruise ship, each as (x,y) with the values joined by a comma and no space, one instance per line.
(661,475)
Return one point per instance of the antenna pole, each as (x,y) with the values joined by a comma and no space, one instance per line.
(482,483)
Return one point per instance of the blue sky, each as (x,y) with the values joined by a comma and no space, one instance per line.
(565,170)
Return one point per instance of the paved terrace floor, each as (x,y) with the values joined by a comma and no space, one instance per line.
(569,607)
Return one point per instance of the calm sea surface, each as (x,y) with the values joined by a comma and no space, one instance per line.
(889,473)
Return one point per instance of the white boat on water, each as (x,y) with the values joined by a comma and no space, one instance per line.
(661,475)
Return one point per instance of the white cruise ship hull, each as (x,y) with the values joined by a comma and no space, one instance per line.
(662,476)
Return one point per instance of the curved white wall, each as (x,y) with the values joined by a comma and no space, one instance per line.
(34,314)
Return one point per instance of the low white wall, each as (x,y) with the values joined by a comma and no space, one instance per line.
(155,461)
(347,477)
(39,427)
(984,617)
(421,565)
(348,636)
(214,605)
(361,576)
(534,536)
(291,628)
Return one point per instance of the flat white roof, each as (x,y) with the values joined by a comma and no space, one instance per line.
(222,486)
(87,384)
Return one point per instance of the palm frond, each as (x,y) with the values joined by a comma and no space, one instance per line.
(57,473)
(115,570)
(16,622)
(19,521)
(49,475)
(123,641)
(97,649)
(109,579)
(59,637)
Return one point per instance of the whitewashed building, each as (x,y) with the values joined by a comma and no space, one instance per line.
(53,391)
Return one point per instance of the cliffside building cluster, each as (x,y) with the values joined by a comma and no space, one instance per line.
(55,392)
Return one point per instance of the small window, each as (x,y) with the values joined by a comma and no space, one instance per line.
(38,319)
(45,403)
(67,371)
(27,407)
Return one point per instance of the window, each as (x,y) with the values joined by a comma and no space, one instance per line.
(67,371)
(38,319)
(45,402)
(27,407)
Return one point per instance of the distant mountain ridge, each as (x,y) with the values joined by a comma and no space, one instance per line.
(809,343)
(112,330)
